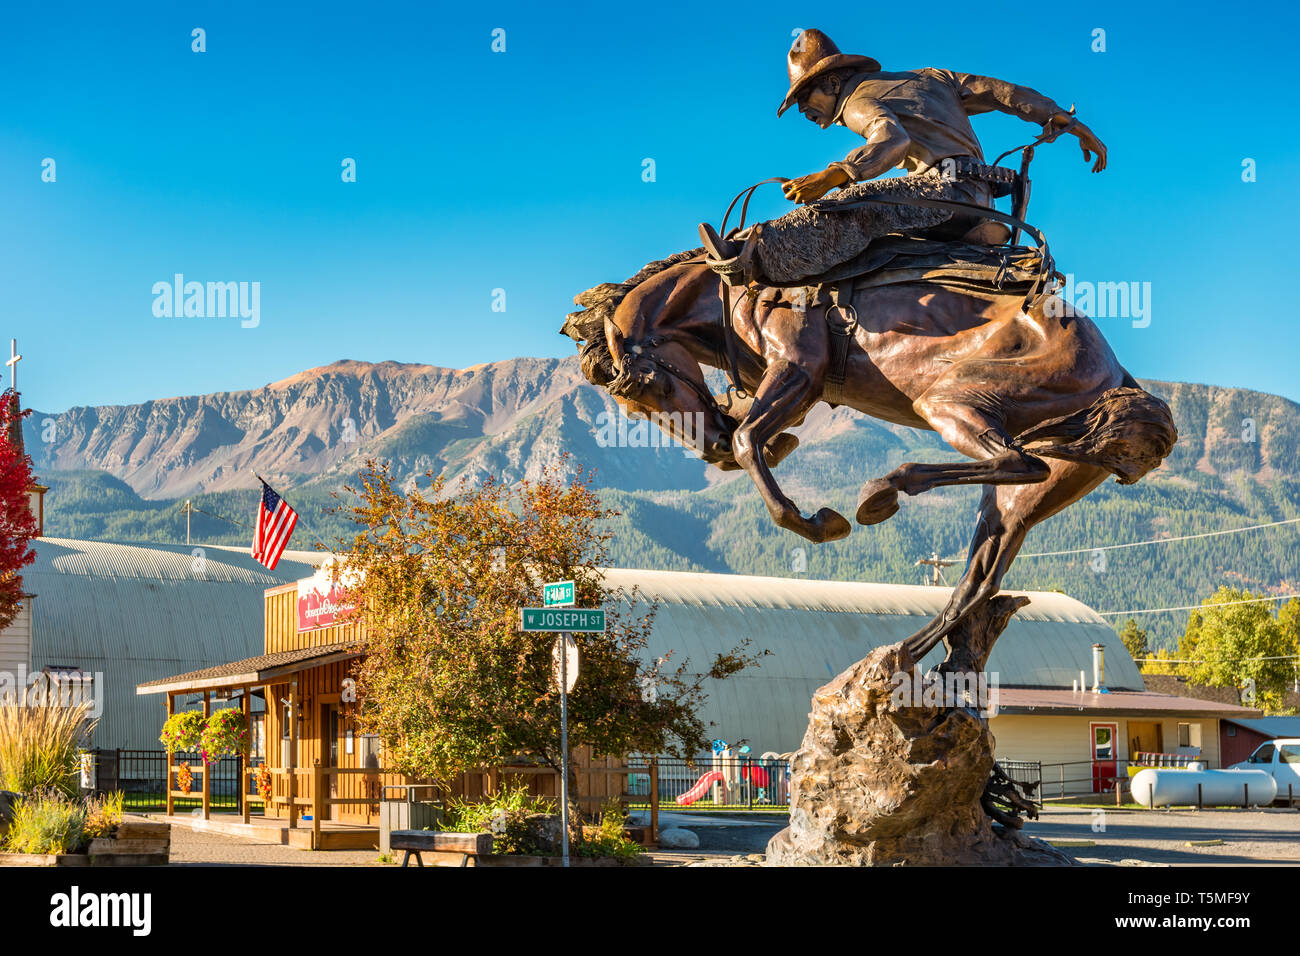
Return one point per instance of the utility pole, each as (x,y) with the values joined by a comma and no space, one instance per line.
(935,562)
(189,510)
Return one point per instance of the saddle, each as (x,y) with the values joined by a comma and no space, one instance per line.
(897,259)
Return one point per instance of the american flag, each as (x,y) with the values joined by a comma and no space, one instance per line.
(275,524)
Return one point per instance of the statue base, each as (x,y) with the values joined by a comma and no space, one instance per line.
(878,784)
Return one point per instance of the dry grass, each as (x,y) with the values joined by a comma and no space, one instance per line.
(38,747)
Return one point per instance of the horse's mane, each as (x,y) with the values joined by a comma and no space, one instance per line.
(587,326)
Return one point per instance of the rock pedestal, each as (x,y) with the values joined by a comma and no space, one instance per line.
(877,784)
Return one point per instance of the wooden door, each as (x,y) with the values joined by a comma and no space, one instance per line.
(1145,737)
(330,729)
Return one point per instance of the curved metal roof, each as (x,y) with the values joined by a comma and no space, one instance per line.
(815,629)
(138,612)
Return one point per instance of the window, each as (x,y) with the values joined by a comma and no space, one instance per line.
(1232,730)
(1290,753)
(1263,755)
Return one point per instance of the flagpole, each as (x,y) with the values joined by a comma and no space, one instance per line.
(308,528)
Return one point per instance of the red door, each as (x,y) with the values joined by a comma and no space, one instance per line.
(1104,756)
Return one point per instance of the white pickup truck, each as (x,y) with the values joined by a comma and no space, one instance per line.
(1281,759)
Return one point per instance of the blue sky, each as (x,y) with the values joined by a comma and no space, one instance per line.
(522,171)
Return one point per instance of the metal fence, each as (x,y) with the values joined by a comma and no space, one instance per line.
(709,782)
(1078,779)
(141,775)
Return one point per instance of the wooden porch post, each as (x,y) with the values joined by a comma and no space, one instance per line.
(171,709)
(247,710)
(292,762)
(207,767)
(317,802)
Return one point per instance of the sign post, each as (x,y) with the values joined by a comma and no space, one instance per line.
(560,594)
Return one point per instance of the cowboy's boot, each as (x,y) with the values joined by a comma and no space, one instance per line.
(723,255)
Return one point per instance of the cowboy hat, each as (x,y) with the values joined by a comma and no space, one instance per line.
(812,55)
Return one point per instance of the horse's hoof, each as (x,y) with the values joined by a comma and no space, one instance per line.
(832,524)
(877,501)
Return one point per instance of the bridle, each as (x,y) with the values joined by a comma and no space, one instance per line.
(645,349)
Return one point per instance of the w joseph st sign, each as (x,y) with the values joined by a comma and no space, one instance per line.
(582,620)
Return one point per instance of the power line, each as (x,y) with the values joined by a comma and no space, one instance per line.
(1183,537)
(1198,607)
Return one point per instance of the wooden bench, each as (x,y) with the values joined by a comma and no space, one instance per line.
(438,841)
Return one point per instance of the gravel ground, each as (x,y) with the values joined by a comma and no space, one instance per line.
(1159,838)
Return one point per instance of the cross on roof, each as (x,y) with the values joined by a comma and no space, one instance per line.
(14,359)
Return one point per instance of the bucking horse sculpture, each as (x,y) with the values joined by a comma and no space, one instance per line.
(1014,379)
(959,335)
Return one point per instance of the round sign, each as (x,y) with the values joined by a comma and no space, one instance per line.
(565,644)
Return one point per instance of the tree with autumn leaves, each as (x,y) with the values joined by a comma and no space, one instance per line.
(449,682)
(17,524)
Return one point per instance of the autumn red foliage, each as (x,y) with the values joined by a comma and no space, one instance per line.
(17,524)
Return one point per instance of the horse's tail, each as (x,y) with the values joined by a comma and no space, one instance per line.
(1127,431)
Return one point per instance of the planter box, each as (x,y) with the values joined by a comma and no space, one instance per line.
(138,843)
(44,859)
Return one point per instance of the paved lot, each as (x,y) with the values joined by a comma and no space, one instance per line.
(1250,837)
(200,848)
(1160,838)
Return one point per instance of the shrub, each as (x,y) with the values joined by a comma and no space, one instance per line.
(511,816)
(226,732)
(183,731)
(609,839)
(39,745)
(103,814)
(47,822)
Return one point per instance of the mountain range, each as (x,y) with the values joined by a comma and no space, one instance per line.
(122,472)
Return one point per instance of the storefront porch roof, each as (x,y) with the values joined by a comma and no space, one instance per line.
(252,670)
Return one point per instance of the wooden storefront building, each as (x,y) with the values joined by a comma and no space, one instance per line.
(328,780)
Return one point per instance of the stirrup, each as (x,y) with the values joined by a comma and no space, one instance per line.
(722,256)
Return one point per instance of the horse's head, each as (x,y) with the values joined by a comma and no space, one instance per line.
(633,338)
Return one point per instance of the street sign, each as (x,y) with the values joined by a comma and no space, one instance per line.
(568,667)
(583,620)
(558,594)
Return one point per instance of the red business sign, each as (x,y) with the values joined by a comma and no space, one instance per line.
(321,603)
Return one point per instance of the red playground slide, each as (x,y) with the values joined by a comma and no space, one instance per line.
(700,789)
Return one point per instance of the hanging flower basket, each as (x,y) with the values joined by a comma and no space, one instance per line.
(263,778)
(184,777)
(183,731)
(225,733)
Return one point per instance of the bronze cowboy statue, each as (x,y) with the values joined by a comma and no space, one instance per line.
(850,306)
(916,120)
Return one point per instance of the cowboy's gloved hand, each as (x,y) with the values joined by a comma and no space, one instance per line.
(814,185)
(1088,140)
